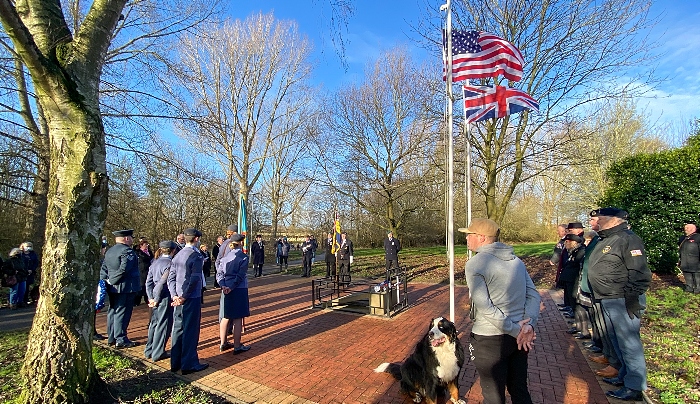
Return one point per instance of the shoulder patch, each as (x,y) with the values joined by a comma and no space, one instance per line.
(606,249)
(636,253)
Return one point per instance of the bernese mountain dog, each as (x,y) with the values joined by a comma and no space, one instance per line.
(433,367)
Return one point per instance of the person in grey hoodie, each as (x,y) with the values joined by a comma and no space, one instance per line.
(505,306)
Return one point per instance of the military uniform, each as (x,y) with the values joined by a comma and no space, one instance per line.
(330,257)
(120,269)
(161,324)
(257,251)
(185,280)
(689,250)
(307,247)
(344,255)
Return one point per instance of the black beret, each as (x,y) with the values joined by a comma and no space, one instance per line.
(574,237)
(612,212)
(258,236)
(192,232)
(237,237)
(575,225)
(168,244)
(233,228)
(123,233)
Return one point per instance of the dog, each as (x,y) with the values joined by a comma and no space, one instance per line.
(434,365)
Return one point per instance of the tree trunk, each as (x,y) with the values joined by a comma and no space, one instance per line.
(58,366)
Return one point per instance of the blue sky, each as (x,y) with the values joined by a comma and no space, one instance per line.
(382,24)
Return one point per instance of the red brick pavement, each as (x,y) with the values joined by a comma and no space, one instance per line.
(302,355)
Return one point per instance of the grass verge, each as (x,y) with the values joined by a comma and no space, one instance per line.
(128,381)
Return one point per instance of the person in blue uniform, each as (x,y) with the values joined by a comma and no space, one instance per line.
(185,286)
(233,278)
(120,269)
(257,250)
(161,324)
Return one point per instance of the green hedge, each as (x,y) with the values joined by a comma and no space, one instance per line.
(660,191)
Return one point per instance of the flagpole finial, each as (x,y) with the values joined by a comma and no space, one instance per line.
(444,7)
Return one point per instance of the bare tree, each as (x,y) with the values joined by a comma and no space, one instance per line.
(576,52)
(239,84)
(376,139)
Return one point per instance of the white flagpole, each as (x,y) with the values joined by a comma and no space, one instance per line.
(450,160)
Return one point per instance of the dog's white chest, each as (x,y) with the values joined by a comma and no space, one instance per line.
(447,369)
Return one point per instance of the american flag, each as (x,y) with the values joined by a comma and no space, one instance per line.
(478,54)
(495,102)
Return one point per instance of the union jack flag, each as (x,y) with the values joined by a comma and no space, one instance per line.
(495,102)
(478,54)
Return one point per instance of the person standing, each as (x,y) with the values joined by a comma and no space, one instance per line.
(392,246)
(180,240)
(329,256)
(314,247)
(556,255)
(689,257)
(233,278)
(284,253)
(214,254)
(344,255)
(31,264)
(619,278)
(120,269)
(161,325)
(571,269)
(185,286)
(230,231)
(257,250)
(145,256)
(15,265)
(505,306)
(206,267)
(307,250)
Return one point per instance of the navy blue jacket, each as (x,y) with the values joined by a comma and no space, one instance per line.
(157,280)
(185,278)
(120,269)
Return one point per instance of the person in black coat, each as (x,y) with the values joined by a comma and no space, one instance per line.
(392,246)
(571,268)
(330,257)
(307,248)
(257,251)
(689,257)
(145,256)
(345,257)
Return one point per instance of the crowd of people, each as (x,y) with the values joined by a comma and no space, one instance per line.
(19,274)
(604,276)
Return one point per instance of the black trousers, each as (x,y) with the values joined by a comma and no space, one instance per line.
(391,264)
(569,297)
(500,365)
(344,271)
(608,349)
(330,269)
(283,260)
(118,316)
(692,281)
(307,264)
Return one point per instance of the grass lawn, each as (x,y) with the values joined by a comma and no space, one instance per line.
(670,333)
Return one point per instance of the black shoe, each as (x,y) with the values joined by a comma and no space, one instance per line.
(561,305)
(594,349)
(568,315)
(614,381)
(625,394)
(565,308)
(174,370)
(162,357)
(572,330)
(127,344)
(98,337)
(225,347)
(111,343)
(581,336)
(197,368)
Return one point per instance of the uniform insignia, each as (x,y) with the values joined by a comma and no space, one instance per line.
(606,249)
(636,253)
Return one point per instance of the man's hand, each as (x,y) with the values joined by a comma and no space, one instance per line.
(152,303)
(178,301)
(526,336)
(634,308)
(226,290)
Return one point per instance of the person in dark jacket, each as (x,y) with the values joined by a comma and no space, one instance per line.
(31,263)
(214,254)
(307,248)
(619,278)
(329,257)
(556,255)
(15,265)
(233,278)
(571,273)
(161,324)
(392,246)
(689,257)
(120,269)
(344,255)
(257,250)
(284,253)
(145,256)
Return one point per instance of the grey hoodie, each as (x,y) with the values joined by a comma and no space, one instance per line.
(501,291)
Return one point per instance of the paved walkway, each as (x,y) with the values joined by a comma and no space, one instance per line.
(303,355)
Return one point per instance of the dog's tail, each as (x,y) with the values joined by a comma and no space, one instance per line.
(392,368)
